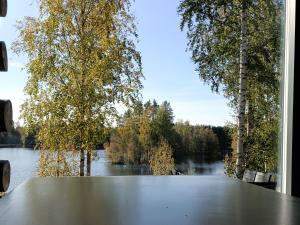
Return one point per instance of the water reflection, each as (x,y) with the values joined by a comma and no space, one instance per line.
(24,164)
(191,167)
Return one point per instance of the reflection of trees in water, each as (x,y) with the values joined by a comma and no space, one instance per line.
(192,166)
(66,164)
(62,163)
(58,163)
(125,170)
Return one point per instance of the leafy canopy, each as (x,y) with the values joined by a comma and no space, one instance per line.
(82,61)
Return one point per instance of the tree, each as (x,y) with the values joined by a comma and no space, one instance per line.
(145,134)
(185,132)
(162,122)
(225,139)
(263,155)
(204,143)
(82,60)
(12,137)
(141,132)
(161,161)
(124,146)
(235,45)
(242,88)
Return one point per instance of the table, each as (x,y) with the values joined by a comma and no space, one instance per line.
(146,200)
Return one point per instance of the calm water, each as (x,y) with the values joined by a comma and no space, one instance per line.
(24,164)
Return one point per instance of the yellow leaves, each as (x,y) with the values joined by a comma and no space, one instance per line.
(162,161)
(58,163)
(81,61)
(145,129)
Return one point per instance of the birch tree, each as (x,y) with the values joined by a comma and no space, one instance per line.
(235,46)
(242,90)
(82,60)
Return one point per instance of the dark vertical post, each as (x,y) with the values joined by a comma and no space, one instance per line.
(5,109)
(4,175)
(3,53)
(6,120)
(3,8)
(3,57)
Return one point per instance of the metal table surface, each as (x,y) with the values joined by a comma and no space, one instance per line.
(140,200)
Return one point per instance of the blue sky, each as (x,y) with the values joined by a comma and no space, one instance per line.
(169,72)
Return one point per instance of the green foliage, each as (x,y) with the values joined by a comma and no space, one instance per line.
(18,137)
(185,131)
(162,124)
(162,161)
(225,140)
(124,146)
(262,151)
(141,132)
(213,33)
(145,135)
(200,141)
(207,141)
(261,148)
(82,60)
(13,137)
(229,165)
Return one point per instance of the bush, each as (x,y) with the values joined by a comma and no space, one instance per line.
(162,161)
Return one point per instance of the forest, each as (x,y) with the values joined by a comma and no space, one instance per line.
(148,135)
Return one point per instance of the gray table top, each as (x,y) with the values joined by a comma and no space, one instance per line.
(140,200)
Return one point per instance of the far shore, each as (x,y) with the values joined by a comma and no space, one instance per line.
(15,146)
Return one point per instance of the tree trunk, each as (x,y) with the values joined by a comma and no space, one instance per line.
(242,93)
(81,163)
(57,163)
(88,163)
(250,118)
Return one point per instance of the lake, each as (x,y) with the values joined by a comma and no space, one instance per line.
(24,164)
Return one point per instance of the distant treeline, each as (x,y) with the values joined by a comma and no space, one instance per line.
(17,137)
(206,142)
(142,132)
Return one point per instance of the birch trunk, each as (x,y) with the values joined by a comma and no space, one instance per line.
(250,119)
(57,164)
(81,167)
(242,93)
(88,163)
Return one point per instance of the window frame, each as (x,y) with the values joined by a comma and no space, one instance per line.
(285,168)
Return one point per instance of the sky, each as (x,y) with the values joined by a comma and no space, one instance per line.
(169,72)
